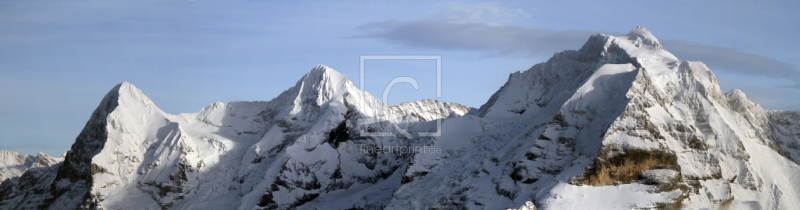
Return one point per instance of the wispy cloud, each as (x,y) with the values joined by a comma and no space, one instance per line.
(475,27)
(494,39)
(508,40)
(731,60)
(483,28)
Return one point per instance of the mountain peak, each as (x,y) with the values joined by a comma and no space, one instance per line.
(126,93)
(640,36)
(321,72)
(321,75)
(44,160)
(736,93)
(639,30)
(127,90)
(11,159)
(322,83)
(738,101)
(321,67)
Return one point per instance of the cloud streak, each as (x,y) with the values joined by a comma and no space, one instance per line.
(507,40)
(495,39)
(731,60)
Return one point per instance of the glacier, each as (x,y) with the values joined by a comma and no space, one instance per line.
(620,123)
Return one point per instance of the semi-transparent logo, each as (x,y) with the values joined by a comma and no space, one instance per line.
(389,117)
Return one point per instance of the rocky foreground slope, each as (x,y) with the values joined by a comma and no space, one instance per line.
(620,123)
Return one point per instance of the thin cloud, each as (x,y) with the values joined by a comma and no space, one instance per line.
(507,40)
(731,60)
(495,39)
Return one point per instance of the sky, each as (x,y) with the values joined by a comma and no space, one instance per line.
(59,58)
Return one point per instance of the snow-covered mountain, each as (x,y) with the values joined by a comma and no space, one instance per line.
(620,123)
(428,110)
(279,153)
(13,164)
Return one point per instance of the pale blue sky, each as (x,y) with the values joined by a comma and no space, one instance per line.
(58,58)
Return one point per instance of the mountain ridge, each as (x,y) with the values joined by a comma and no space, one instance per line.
(619,123)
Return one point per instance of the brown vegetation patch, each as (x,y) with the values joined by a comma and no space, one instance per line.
(626,168)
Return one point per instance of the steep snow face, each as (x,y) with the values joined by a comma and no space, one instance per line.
(315,147)
(307,143)
(551,83)
(621,111)
(145,154)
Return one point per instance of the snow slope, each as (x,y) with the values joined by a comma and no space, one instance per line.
(619,124)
